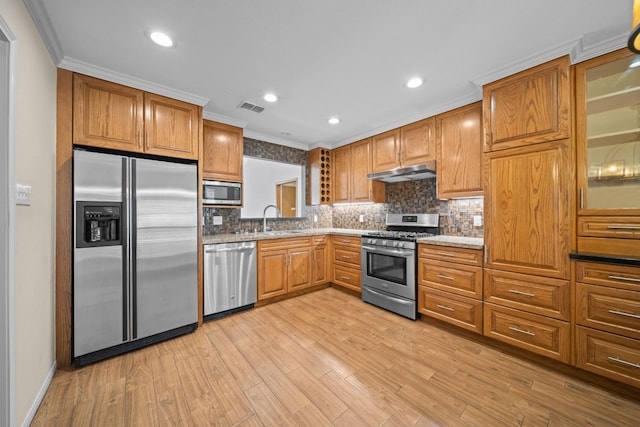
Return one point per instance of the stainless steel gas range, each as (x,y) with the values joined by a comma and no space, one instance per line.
(389,266)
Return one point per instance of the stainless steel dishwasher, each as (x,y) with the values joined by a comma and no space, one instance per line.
(229,278)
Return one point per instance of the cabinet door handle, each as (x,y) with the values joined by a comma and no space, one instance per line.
(486,254)
(442,276)
(623,227)
(444,307)
(146,142)
(624,362)
(622,313)
(626,279)
(139,138)
(522,331)
(517,292)
(581,198)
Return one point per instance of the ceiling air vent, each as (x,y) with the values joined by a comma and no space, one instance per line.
(251,107)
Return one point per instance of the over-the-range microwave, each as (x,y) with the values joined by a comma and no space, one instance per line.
(221,193)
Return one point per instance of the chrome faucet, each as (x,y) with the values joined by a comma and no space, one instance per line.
(264,216)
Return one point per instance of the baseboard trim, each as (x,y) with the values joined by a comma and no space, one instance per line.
(43,391)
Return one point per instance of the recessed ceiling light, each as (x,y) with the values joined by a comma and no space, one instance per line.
(285,134)
(270,97)
(161,39)
(414,82)
(334,121)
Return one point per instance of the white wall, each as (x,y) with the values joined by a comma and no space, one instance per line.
(35,224)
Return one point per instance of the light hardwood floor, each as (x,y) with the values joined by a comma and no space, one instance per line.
(325,358)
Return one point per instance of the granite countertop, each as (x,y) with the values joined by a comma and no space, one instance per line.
(453,241)
(283,234)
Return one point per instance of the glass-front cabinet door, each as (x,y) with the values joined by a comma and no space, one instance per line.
(608,134)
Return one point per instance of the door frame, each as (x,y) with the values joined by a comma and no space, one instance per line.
(8,57)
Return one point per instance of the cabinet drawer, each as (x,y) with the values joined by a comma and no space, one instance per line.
(539,334)
(535,294)
(610,355)
(286,243)
(347,240)
(616,226)
(454,309)
(348,277)
(456,278)
(609,246)
(609,309)
(319,240)
(449,254)
(347,256)
(615,276)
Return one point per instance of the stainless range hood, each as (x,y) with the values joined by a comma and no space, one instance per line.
(409,173)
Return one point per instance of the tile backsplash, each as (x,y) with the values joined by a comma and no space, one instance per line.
(456,216)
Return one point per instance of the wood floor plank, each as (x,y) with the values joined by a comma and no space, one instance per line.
(326,358)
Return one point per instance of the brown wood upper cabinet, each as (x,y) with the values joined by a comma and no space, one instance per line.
(222,151)
(351,165)
(529,107)
(459,152)
(409,145)
(109,115)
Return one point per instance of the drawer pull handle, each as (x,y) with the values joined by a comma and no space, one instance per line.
(522,331)
(624,362)
(627,279)
(345,278)
(444,307)
(517,292)
(446,253)
(346,257)
(622,313)
(442,276)
(623,227)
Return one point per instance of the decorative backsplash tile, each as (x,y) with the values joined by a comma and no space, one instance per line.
(456,216)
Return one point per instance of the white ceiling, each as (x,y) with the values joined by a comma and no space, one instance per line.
(348,58)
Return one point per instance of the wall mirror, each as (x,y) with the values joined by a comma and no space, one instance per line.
(268,182)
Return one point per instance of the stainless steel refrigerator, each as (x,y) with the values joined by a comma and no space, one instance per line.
(135,253)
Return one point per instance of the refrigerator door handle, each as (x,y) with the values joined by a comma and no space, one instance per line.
(124,238)
(133,243)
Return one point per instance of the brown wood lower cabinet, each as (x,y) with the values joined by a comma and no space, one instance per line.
(284,265)
(608,354)
(460,311)
(320,260)
(346,264)
(450,285)
(608,320)
(540,334)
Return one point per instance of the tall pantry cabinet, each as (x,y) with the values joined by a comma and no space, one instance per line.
(528,174)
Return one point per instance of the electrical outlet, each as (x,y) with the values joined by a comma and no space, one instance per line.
(23,194)
(477,221)
(361,218)
(217,220)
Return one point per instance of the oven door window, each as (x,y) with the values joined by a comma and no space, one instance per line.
(387,267)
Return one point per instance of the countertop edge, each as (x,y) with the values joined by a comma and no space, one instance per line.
(451,241)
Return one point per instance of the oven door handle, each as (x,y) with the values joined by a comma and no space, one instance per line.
(392,298)
(387,251)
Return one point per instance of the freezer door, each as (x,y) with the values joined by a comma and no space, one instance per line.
(99,276)
(165,267)
(98,312)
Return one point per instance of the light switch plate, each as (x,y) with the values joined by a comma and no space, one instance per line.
(477,221)
(217,220)
(315,218)
(23,194)
(361,218)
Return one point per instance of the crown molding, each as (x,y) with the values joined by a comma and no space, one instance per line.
(221,118)
(275,140)
(126,80)
(42,22)
(583,51)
